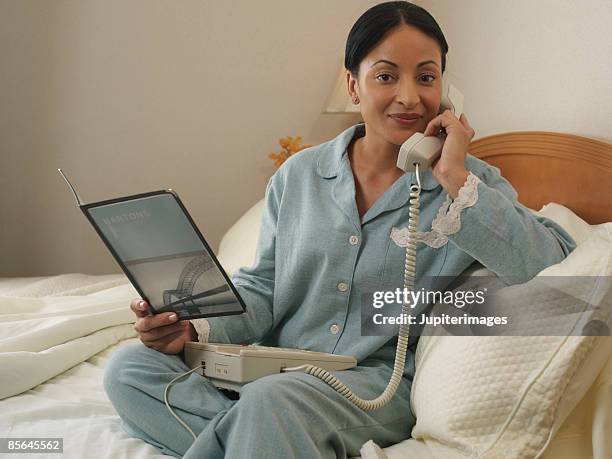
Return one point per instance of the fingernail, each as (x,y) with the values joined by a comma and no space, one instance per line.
(141,306)
(172,317)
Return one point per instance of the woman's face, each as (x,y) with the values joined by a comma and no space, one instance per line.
(401,75)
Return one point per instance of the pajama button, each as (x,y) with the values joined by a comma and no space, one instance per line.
(334,329)
(353,240)
(342,286)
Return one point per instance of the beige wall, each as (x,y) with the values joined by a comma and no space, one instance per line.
(139,95)
(531,64)
(133,96)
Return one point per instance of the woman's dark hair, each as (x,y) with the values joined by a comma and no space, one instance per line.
(374,24)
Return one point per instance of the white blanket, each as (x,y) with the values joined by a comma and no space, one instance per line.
(43,337)
(61,330)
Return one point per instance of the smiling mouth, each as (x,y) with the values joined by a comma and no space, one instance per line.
(404,121)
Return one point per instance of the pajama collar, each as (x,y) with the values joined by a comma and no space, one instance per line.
(334,152)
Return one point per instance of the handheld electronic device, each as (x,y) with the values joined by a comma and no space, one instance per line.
(162,252)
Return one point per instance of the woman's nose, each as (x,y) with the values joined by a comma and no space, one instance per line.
(407,93)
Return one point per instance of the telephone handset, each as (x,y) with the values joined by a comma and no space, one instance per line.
(425,150)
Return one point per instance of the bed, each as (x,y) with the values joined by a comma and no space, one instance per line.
(58,332)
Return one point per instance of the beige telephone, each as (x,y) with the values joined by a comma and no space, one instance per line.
(422,150)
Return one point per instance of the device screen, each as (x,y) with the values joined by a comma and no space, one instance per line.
(157,246)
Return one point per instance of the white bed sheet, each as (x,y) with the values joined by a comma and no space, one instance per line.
(74,406)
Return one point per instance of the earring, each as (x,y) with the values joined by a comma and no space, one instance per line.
(355,100)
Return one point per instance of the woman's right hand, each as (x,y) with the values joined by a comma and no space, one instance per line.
(162,332)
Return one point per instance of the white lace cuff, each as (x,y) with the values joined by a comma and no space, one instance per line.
(202,327)
(431,238)
(448,219)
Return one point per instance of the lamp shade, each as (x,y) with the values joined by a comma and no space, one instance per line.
(340,101)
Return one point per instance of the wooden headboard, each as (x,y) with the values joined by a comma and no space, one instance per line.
(548,167)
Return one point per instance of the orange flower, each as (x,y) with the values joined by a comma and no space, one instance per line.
(290,145)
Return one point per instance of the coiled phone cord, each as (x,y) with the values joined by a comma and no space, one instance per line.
(402,339)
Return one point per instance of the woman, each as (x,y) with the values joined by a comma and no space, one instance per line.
(331,235)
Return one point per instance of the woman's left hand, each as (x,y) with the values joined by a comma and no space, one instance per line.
(450,169)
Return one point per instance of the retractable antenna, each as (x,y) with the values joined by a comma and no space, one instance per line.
(74,193)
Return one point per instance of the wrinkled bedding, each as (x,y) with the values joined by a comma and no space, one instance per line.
(56,335)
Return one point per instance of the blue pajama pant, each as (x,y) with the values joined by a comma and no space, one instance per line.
(287,415)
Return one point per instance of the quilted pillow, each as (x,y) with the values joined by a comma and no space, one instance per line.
(505,396)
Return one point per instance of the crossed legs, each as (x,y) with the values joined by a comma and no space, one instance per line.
(289,415)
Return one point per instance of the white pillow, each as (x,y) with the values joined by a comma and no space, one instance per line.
(569,221)
(481,396)
(239,243)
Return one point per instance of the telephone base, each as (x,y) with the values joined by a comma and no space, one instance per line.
(230,366)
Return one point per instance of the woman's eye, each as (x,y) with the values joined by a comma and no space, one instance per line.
(384,75)
(430,76)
